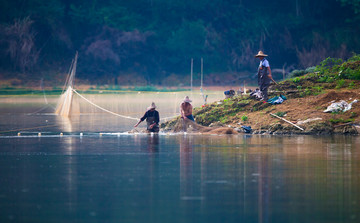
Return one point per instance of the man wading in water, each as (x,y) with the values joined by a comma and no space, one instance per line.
(264,75)
(186,109)
(152,119)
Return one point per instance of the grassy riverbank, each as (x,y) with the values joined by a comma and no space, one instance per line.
(307,95)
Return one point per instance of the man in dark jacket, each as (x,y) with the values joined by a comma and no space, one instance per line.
(264,75)
(152,119)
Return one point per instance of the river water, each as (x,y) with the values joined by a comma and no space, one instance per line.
(85,176)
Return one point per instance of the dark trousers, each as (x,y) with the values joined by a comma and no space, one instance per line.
(264,90)
(154,129)
(191,117)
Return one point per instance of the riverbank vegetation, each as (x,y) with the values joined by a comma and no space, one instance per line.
(103,89)
(143,42)
(307,95)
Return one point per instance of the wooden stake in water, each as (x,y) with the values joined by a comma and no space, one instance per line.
(202,76)
(191,74)
(244,88)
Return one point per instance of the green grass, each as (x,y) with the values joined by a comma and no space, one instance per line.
(29,91)
(104,90)
(340,120)
(340,83)
(280,114)
(244,118)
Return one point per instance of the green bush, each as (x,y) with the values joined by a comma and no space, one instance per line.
(351,85)
(355,57)
(327,65)
(296,80)
(310,70)
(296,73)
(353,115)
(244,118)
(317,89)
(307,91)
(340,83)
(352,74)
(340,120)
(326,79)
(280,114)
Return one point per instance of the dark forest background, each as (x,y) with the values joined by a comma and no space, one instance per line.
(152,41)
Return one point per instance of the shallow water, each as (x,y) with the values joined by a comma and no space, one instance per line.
(169,178)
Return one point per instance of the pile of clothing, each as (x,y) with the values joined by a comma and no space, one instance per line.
(247,129)
(256,94)
(277,99)
(229,93)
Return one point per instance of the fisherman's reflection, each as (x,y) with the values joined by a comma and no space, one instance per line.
(186,168)
(153,143)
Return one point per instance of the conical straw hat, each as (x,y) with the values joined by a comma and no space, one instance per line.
(261,54)
(152,106)
(187,99)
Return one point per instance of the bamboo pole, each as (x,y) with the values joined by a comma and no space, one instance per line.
(288,122)
(191,74)
(202,76)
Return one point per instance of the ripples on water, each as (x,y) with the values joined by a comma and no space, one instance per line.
(171,178)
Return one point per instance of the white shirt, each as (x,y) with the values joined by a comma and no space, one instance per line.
(264,63)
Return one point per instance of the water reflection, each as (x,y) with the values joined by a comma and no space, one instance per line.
(71,173)
(270,174)
(153,143)
(186,167)
(180,178)
(65,123)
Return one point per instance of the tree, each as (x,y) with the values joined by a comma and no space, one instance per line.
(21,44)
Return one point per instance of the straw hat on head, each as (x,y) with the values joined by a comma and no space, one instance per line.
(187,99)
(261,54)
(152,106)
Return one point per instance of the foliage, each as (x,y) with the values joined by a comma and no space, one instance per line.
(244,118)
(310,70)
(340,83)
(318,90)
(331,70)
(158,38)
(297,73)
(353,115)
(280,114)
(327,64)
(326,79)
(296,80)
(341,120)
(355,57)
(351,85)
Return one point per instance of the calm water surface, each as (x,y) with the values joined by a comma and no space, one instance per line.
(169,178)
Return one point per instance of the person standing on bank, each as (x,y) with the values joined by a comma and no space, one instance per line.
(152,119)
(264,75)
(186,109)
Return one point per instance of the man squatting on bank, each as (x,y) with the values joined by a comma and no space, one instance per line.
(186,109)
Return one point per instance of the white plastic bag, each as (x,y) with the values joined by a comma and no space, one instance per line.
(340,106)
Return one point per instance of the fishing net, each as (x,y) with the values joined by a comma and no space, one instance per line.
(64,105)
(192,127)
